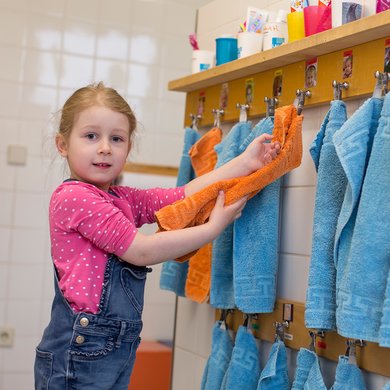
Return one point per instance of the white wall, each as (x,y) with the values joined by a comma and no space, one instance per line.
(194,321)
(48,48)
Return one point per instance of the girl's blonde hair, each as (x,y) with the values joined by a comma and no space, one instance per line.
(92,95)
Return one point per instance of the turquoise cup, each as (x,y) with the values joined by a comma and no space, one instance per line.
(226,50)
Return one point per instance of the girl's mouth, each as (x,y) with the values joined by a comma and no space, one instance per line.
(102,165)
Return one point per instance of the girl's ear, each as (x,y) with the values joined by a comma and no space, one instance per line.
(62,147)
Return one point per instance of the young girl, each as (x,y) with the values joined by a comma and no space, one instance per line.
(99,256)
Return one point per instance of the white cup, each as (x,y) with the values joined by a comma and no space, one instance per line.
(202,60)
(275,34)
(249,43)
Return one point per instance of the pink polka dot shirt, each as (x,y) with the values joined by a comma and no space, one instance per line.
(88,224)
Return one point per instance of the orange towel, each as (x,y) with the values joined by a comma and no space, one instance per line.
(195,210)
(203,159)
(202,153)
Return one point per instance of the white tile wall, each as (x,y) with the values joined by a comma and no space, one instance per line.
(47,49)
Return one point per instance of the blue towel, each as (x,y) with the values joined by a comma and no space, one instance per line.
(244,368)
(331,184)
(221,289)
(255,246)
(348,376)
(275,374)
(384,331)
(358,280)
(386,386)
(308,374)
(219,359)
(173,274)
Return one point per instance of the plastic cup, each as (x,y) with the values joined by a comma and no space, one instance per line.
(317,19)
(249,43)
(275,34)
(202,60)
(295,26)
(226,50)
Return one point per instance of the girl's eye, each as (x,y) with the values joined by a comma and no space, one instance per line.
(116,138)
(90,136)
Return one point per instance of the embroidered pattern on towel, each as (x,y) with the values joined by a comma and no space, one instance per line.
(195,210)
(320,310)
(348,376)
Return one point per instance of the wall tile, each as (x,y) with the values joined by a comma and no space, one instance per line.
(12,27)
(112,73)
(17,380)
(176,53)
(116,12)
(87,10)
(10,98)
(76,71)
(31,210)
(20,357)
(8,173)
(112,42)
(11,63)
(4,279)
(146,16)
(178,19)
(144,48)
(158,321)
(142,80)
(6,207)
(5,245)
(166,150)
(23,317)
(79,38)
(27,245)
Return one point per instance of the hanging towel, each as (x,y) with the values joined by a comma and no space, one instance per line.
(362,288)
(244,368)
(203,158)
(386,386)
(255,248)
(384,331)
(308,373)
(353,145)
(173,274)
(221,290)
(219,359)
(275,374)
(320,310)
(202,153)
(195,209)
(348,376)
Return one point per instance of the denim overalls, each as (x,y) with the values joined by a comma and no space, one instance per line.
(94,351)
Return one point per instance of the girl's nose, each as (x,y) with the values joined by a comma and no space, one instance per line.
(104,147)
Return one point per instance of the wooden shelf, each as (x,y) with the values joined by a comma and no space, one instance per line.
(351,34)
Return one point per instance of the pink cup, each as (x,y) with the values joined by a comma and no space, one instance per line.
(317,19)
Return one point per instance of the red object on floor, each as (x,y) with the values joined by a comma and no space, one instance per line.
(152,368)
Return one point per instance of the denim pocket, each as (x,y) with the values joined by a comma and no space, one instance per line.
(91,345)
(133,282)
(43,368)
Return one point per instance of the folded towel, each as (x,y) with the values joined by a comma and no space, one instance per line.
(384,331)
(362,288)
(308,374)
(204,158)
(348,376)
(221,290)
(244,368)
(173,274)
(202,153)
(275,373)
(255,247)
(219,359)
(353,145)
(195,209)
(331,184)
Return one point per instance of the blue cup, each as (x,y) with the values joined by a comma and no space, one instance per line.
(226,50)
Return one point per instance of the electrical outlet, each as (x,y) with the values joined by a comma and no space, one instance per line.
(6,336)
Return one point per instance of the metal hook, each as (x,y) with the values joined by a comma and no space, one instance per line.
(279,329)
(243,111)
(313,336)
(248,319)
(382,82)
(271,103)
(217,116)
(338,88)
(194,121)
(300,100)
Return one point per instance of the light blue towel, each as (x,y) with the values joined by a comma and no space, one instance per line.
(384,331)
(331,184)
(174,274)
(353,145)
(308,373)
(275,374)
(386,386)
(348,376)
(219,359)
(244,368)
(221,289)
(361,247)
(255,246)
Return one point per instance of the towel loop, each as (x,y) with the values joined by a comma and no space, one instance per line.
(381,85)
(279,330)
(338,89)
(248,318)
(217,116)
(299,101)
(270,103)
(195,120)
(243,111)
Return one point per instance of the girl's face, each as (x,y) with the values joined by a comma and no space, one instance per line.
(97,147)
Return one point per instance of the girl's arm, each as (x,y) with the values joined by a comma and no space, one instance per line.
(259,153)
(159,247)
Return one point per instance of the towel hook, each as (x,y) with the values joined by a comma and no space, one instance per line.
(299,101)
(382,84)
(338,89)
(224,315)
(194,121)
(270,103)
(279,330)
(351,349)
(248,318)
(313,336)
(217,116)
(243,111)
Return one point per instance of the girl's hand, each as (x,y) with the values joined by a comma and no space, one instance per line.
(260,152)
(221,216)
